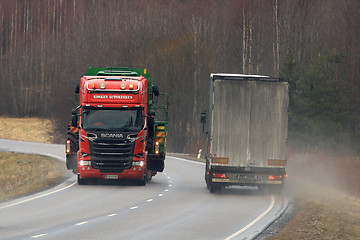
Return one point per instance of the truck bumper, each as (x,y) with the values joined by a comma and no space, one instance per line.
(132,173)
(246,177)
(135,172)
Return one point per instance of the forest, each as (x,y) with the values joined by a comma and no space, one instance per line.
(47,45)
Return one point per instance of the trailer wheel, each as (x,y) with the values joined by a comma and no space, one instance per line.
(214,188)
(71,161)
(74,144)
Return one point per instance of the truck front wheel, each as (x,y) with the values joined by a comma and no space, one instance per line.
(81,181)
(142,182)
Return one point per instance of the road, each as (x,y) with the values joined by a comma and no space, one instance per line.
(174,205)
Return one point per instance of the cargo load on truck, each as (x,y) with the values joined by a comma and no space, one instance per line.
(119,128)
(247,131)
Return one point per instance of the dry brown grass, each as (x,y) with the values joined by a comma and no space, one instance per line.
(27,129)
(28,173)
(321,219)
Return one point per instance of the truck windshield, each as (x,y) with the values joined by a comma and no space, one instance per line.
(112,120)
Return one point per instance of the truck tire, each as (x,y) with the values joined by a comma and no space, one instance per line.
(149,175)
(142,182)
(81,181)
(214,188)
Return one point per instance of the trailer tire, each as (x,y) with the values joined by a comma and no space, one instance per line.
(71,161)
(214,188)
(74,144)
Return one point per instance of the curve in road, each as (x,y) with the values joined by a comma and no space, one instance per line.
(174,205)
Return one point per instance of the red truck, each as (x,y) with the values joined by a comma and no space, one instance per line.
(117,131)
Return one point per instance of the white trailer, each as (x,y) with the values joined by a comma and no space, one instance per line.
(247,131)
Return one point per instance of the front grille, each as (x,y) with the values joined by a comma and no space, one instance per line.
(111,155)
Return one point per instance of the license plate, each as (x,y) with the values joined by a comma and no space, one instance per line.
(111,176)
(246,176)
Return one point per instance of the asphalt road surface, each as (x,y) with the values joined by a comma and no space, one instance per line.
(174,205)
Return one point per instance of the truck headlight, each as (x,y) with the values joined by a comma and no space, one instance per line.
(85,163)
(138,163)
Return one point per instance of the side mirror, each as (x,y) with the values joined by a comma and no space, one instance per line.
(155,90)
(203,118)
(77,88)
(203,121)
(151,113)
(74,118)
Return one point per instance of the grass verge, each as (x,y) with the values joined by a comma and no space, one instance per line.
(28,173)
(23,174)
(326,189)
(27,129)
(323,219)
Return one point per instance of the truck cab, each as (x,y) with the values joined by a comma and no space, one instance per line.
(114,127)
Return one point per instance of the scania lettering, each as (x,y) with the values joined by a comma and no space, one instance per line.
(114,130)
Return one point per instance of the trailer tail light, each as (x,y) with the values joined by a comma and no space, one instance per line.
(219,175)
(220,160)
(275,177)
(157,148)
(68,150)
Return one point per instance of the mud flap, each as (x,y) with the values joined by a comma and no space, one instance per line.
(156,165)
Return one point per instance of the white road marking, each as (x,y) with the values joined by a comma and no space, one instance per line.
(160,195)
(135,207)
(112,215)
(166,190)
(40,196)
(149,200)
(82,223)
(255,220)
(40,235)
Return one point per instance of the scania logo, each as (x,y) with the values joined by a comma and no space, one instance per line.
(112,135)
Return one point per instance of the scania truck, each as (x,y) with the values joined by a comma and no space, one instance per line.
(118,130)
(247,131)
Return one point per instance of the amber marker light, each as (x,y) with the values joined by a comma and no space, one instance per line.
(67,146)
